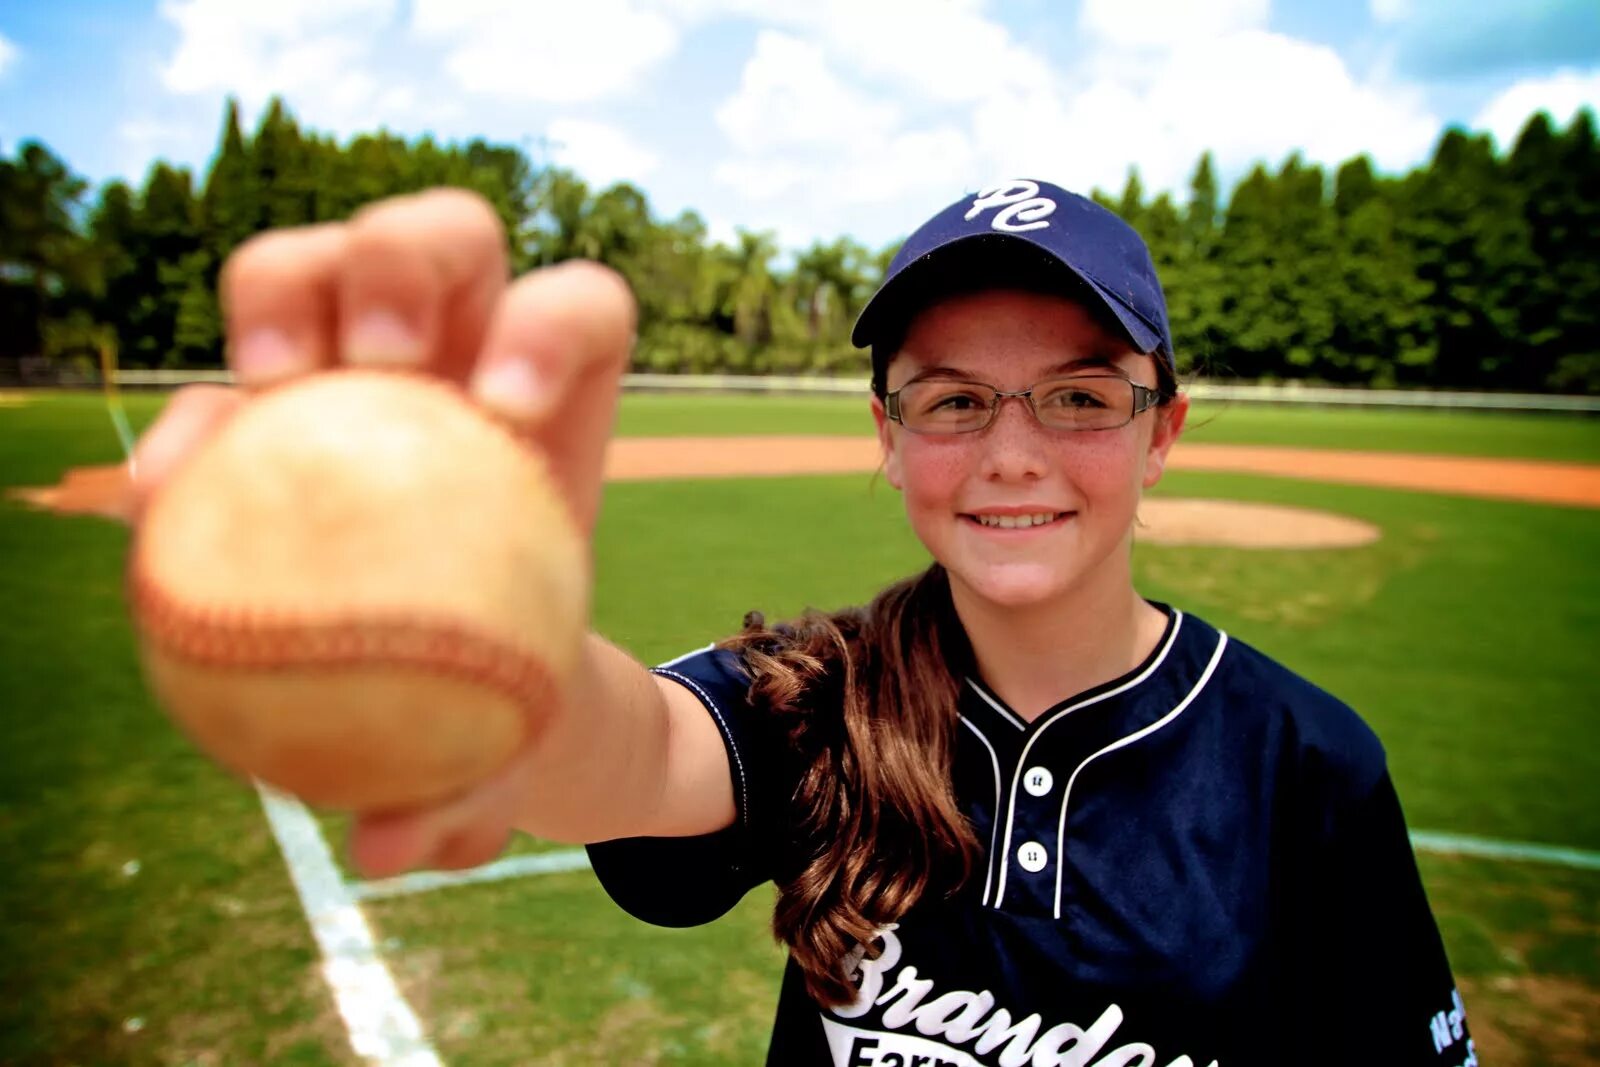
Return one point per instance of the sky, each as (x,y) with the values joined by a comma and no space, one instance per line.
(810,118)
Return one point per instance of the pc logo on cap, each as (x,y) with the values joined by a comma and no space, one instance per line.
(1091,243)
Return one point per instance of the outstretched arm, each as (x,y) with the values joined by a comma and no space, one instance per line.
(420,282)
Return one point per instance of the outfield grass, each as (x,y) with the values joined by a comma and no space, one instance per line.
(1465,636)
(1524,436)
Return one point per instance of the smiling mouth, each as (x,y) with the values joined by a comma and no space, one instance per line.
(1017,522)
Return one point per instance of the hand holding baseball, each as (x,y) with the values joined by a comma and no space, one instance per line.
(466,425)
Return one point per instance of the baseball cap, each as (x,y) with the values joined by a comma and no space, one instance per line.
(1025,229)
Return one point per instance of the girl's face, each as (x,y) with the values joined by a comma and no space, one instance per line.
(1089,481)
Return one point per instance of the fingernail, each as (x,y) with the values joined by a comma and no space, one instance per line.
(265,354)
(382,337)
(513,388)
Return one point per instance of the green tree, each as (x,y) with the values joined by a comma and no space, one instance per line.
(230,204)
(1380,333)
(1557,175)
(1194,282)
(43,256)
(1275,252)
(1464,222)
(283,177)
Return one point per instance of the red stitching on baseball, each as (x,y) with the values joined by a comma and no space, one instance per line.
(224,637)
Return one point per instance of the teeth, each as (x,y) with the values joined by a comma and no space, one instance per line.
(1012,522)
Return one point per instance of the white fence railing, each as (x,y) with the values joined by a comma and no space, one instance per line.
(1286,393)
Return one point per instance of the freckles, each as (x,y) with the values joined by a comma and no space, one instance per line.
(935,470)
(1104,459)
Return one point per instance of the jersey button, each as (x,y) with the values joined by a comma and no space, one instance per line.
(1032,856)
(1038,781)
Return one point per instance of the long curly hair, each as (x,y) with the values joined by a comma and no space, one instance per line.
(868,700)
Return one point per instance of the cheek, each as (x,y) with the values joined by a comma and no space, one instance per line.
(933,471)
(938,473)
(1109,463)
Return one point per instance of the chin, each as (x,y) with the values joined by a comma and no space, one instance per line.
(1014,587)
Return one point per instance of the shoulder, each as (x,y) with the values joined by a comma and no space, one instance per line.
(1318,735)
(719,676)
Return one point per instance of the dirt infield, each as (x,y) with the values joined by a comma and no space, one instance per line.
(105,490)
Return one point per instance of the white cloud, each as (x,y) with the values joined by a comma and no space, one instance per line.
(809,144)
(8,54)
(1255,95)
(1174,79)
(602,154)
(1169,24)
(944,52)
(818,127)
(1388,11)
(256,49)
(788,96)
(558,53)
(316,53)
(1562,94)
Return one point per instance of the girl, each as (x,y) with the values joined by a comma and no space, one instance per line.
(1015,813)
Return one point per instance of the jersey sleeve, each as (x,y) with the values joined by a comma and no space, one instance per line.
(1384,980)
(687,881)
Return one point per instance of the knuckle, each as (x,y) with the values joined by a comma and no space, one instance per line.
(611,289)
(471,210)
(277,257)
(583,296)
(459,226)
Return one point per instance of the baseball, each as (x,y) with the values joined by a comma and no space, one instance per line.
(361,590)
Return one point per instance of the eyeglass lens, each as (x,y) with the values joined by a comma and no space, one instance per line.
(1085,403)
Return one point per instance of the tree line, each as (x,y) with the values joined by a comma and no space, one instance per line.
(1477,269)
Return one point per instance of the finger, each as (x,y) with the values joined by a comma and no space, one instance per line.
(192,415)
(552,366)
(382,846)
(390,843)
(419,281)
(277,293)
(463,831)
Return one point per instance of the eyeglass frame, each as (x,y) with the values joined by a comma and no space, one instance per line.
(1144,398)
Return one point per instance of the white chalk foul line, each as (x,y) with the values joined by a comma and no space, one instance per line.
(575,859)
(569,859)
(383,1028)
(1488,848)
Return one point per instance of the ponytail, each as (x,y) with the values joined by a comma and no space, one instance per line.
(868,698)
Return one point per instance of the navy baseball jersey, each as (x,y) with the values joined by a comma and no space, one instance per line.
(1201,863)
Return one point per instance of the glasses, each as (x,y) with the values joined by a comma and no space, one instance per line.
(1083,402)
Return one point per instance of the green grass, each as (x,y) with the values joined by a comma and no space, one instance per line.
(1572,438)
(81,416)
(1464,636)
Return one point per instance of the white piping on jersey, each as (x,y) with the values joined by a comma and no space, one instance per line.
(733,745)
(687,655)
(1004,857)
(994,822)
(1009,715)
(1066,793)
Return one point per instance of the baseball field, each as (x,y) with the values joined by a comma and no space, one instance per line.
(149,914)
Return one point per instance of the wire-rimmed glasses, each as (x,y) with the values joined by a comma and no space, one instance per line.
(1080,402)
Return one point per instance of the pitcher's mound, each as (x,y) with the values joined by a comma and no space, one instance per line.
(1168,521)
(84,491)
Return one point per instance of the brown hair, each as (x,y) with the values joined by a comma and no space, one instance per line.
(868,700)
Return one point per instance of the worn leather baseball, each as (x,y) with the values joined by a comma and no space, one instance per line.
(362,590)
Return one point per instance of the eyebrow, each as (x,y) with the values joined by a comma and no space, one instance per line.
(1092,362)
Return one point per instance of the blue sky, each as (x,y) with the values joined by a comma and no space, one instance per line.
(808,117)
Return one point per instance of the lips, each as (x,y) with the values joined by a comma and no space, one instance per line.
(1017,521)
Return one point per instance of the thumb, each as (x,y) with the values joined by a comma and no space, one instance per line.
(463,831)
(192,415)
(552,365)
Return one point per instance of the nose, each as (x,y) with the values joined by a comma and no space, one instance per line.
(1016,446)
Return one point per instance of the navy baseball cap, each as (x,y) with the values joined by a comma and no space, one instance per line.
(1024,229)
